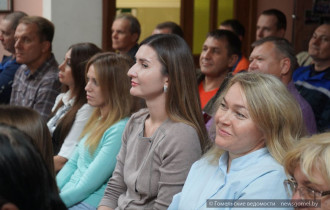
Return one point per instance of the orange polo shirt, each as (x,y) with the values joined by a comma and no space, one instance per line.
(243,64)
(205,96)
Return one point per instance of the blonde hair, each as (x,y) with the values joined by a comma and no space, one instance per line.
(311,153)
(111,74)
(272,108)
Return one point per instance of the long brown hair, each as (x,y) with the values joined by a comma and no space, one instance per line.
(30,122)
(80,54)
(182,100)
(111,74)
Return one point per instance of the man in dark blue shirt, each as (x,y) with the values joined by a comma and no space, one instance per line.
(313,82)
(8,65)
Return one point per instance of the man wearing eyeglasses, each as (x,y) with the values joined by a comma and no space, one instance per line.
(308,166)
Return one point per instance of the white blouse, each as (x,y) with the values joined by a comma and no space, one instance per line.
(82,117)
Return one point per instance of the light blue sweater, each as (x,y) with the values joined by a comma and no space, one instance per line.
(84,177)
(253,176)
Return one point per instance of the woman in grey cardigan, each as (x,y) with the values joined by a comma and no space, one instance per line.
(161,142)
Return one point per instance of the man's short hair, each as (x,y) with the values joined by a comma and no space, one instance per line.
(46,28)
(237,27)
(281,19)
(282,46)
(14,18)
(234,44)
(175,28)
(135,27)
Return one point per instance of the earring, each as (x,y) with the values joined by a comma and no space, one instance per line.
(165,88)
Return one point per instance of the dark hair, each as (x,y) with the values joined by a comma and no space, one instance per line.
(14,18)
(281,19)
(80,54)
(182,99)
(282,46)
(237,27)
(234,44)
(30,122)
(135,26)
(175,28)
(24,178)
(46,28)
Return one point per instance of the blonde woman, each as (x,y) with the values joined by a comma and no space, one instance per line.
(308,166)
(257,122)
(83,178)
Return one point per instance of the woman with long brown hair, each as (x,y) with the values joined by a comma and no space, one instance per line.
(30,122)
(71,110)
(162,141)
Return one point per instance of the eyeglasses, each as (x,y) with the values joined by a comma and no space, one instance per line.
(306,193)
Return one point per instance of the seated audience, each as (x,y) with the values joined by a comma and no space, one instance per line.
(30,122)
(313,82)
(71,110)
(8,65)
(36,82)
(274,55)
(257,121)
(236,27)
(162,141)
(271,22)
(220,52)
(168,27)
(83,178)
(126,32)
(308,167)
(25,180)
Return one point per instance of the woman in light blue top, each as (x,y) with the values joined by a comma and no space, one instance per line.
(83,178)
(256,123)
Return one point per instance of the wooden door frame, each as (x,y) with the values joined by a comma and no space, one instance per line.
(245,12)
(108,15)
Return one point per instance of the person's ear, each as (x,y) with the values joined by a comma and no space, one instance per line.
(166,84)
(45,46)
(232,60)
(166,81)
(281,32)
(285,65)
(134,37)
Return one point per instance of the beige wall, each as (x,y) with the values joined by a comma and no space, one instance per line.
(31,7)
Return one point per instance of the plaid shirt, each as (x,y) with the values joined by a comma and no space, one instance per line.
(39,90)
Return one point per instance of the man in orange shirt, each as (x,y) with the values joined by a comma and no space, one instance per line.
(219,54)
